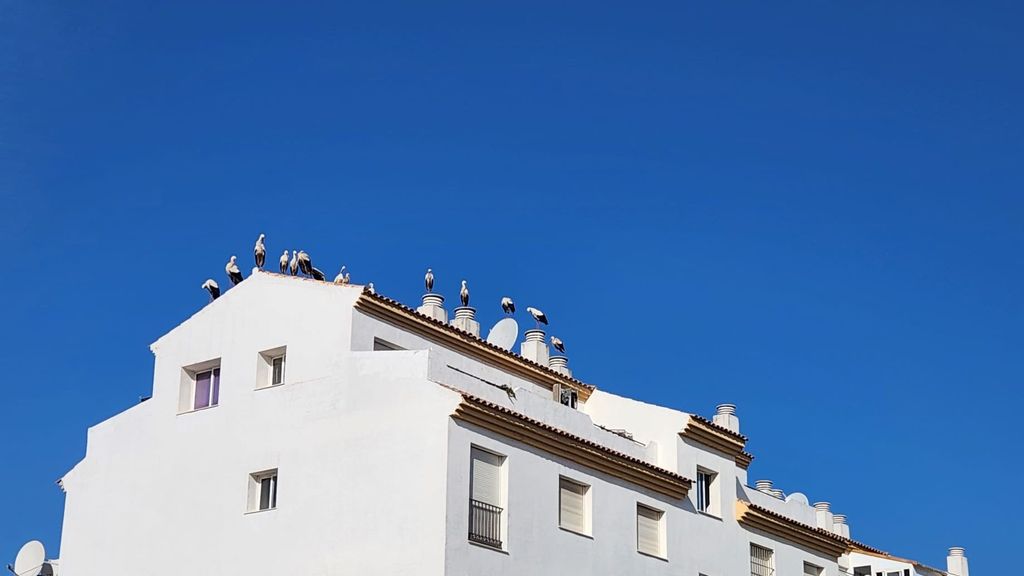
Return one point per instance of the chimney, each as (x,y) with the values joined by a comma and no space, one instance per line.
(839,525)
(560,364)
(725,416)
(956,562)
(433,306)
(778,493)
(823,515)
(764,486)
(465,320)
(534,348)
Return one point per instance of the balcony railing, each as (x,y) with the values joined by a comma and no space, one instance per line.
(485,523)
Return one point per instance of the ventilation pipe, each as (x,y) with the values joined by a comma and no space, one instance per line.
(764,486)
(465,320)
(534,348)
(560,364)
(433,306)
(839,525)
(725,416)
(778,493)
(956,562)
(823,515)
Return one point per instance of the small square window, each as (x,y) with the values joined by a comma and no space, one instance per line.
(270,367)
(200,386)
(568,397)
(573,506)
(263,491)
(812,570)
(650,531)
(762,561)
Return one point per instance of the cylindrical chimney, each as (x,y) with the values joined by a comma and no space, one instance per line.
(763,486)
(725,416)
(560,364)
(778,493)
(823,515)
(433,306)
(839,525)
(465,320)
(956,562)
(534,348)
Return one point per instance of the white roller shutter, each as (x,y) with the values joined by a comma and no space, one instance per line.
(572,505)
(486,477)
(648,530)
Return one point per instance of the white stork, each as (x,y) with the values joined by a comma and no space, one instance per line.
(537,315)
(233,272)
(340,278)
(507,305)
(370,289)
(260,252)
(316,274)
(211,287)
(428,280)
(464,294)
(558,344)
(305,264)
(284,262)
(293,266)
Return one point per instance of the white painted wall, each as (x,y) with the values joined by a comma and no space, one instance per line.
(373,472)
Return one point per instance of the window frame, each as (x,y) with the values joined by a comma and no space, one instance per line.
(188,386)
(709,497)
(662,552)
(817,570)
(265,367)
(586,529)
(770,554)
(254,500)
(501,497)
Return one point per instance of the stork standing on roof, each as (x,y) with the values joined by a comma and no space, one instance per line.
(558,344)
(260,252)
(464,294)
(233,272)
(507,305)
(342,277)
(284,262)
(428,280)
(211,287)
(370,288)
(305,264)
(316,274)
(293,266)
(537,315)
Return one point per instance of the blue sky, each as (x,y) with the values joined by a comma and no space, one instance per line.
(810,209)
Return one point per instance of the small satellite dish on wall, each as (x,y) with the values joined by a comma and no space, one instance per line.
(30,559)
(798,497)
(504,333)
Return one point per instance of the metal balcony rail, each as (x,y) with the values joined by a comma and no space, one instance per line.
(485,523)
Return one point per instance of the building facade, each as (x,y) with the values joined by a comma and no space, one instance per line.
(302,427)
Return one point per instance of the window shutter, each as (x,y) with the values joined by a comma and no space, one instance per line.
(202,395)
(572,505)
(486,477)
(648,530)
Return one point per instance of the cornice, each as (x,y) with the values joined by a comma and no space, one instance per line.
(400,315)
(810,537)
(719,438)
(516,426)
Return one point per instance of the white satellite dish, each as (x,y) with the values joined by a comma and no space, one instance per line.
(798,497)
(30,559)
(504,333)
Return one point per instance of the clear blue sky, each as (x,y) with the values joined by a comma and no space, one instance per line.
(810,209)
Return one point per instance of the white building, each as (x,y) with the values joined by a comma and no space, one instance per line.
(302,427)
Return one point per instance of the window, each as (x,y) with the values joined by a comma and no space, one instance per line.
(573,506)
(650,531)
(263,491)
(199,387)
(385,346)
(707,488)
(812,570)
(568,397)
(862,571)
(270,367)
(485,500)
(761,561)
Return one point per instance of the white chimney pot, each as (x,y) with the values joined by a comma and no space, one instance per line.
(725,416)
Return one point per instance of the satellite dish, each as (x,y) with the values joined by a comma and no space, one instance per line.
(504,333)
(798,497)
(30,559)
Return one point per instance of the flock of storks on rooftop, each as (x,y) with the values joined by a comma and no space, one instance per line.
(300,264)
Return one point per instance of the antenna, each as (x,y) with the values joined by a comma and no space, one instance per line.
(30,559)
(504,333)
